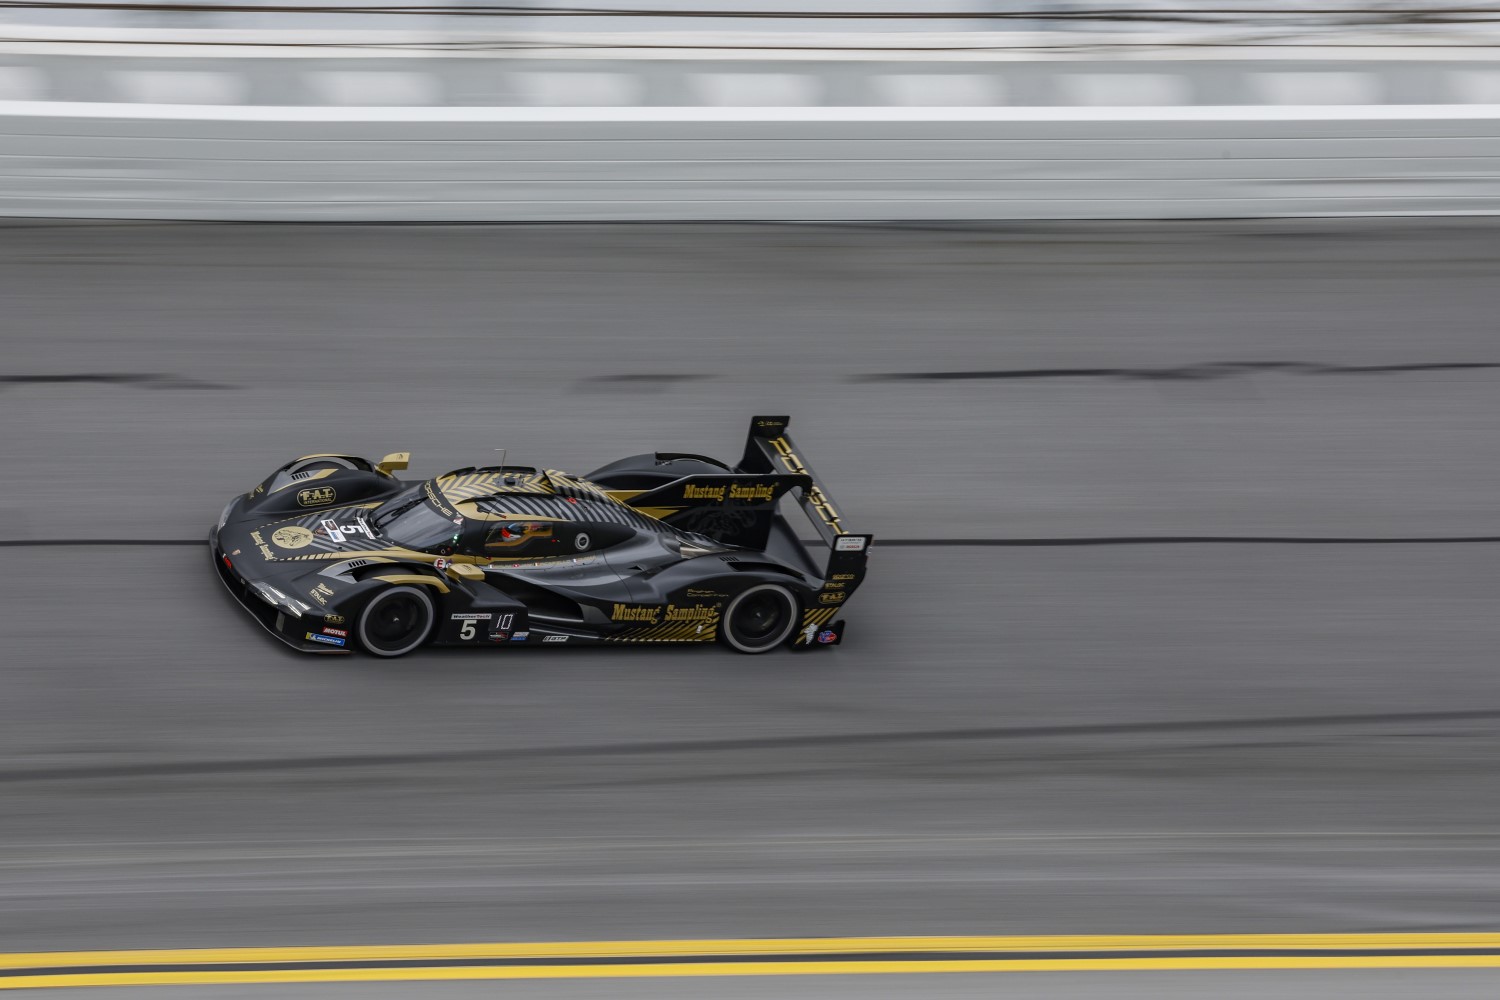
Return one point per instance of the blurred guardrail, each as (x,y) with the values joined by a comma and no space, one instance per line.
(524,125)
(546,164)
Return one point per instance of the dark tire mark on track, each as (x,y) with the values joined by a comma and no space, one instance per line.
(1011,733)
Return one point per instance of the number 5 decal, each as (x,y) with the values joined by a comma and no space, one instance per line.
(466,631)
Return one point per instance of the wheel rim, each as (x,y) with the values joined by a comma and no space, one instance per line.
(761,618)
(396,621)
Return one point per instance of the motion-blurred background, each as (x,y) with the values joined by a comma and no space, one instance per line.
(1154,341)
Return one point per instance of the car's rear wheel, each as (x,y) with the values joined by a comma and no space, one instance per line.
(760,619)
(396,621)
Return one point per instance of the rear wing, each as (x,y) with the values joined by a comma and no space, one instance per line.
(769,450)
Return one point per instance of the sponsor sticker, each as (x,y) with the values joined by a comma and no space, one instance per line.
(441,565)
(336,631)
(520,637)
(554,638)
(809,633)
(847,543)
(834,598)
(331,640)
(336,531)
(472,616)
(292,537)
(334,619)
(696,613)
(499,637)
(316,496)
(826,636)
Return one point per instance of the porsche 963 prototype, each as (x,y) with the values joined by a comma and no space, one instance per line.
(333,553)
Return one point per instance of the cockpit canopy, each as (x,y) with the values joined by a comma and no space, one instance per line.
(424,519)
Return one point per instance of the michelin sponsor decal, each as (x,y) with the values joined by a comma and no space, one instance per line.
(329,639)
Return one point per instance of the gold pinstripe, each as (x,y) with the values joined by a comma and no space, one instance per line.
(670,632)
(430,581)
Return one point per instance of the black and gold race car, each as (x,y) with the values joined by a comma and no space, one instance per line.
(333,553)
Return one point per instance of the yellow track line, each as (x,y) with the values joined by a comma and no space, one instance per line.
(270,965)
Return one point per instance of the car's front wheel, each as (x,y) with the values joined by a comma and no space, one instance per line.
(396,621)
(760,619)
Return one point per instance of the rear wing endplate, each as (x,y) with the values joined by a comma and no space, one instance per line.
(770,449)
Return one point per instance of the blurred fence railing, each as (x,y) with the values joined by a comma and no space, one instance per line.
(242,123)
(550,164)
(228,67)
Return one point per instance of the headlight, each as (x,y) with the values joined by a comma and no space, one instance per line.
(280,601)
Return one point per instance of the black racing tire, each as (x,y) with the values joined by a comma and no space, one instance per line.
(396,621)
(759,619)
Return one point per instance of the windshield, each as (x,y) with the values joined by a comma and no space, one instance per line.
(413,521)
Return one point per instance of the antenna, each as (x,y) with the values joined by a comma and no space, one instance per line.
(502,452)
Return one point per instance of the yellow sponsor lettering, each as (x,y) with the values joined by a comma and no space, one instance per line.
(739,491)
(696,613)
(316,496)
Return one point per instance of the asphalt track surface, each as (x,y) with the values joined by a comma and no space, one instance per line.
(1191,627)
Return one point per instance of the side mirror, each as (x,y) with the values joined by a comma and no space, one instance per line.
(394,462)
(466,571)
